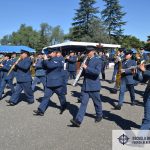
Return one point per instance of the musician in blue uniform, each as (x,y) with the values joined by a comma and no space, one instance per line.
(144,55)
(6,79)
(64,71)
(90,88)
(54,83)
(24,79)
(71,62)
(118,58)
(1,61)
(104,63)
(14,57)
(127,80)
(145,74)
(40,72)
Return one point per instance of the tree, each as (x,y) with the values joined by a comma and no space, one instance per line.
(25,36)
(147,46)
(97,33)
(148,38)
(6,40)
(50,35)
(45,34)
(57,35)
(129,42)
(83,19)
(112,16)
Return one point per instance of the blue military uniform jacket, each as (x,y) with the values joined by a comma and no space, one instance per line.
(54,72)
(7,65)
(23,73)
(116,66)
(40,71)
(147,73)
(72,63)
(62,60)
(128,76)
(91,80)
(144,57)
(13,71)
(147,76)
(14,60)
(104,62)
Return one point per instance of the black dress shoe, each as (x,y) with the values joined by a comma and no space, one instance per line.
(75,123)
(133,103)
(79,101)
(98,119)
(117,107)
(38,113)
(11,104)
(113,91)
(63,109)
(7,101)
(111,82)
(30,102)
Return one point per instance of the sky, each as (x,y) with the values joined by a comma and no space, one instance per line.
(13,13)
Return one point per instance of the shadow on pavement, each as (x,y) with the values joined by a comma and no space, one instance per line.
(111,101)
(121,122)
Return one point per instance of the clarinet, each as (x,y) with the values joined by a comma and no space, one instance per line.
(80,72)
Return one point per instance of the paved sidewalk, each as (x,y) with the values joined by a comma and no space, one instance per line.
(21,130)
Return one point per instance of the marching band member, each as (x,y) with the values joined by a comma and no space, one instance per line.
(40,72)
(144,55)
(6,79)
(146,99)
(71,60)
(14,59)
(64,71)
(127,80)
(54,83)
(104,60)
(24,79)
(119,57)
(90,88)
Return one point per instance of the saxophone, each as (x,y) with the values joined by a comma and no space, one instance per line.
(118,76)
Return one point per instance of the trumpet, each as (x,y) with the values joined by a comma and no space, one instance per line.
(80,72)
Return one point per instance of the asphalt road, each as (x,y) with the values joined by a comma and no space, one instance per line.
(21,130)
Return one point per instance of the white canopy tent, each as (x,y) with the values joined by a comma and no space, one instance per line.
(79,47)
(74,43)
